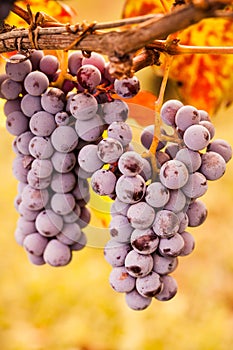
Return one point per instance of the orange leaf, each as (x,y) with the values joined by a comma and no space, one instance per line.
(205,81)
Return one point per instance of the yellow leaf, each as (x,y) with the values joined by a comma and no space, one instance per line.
(203,80)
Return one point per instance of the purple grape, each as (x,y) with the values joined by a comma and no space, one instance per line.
(186,116)
(20,168)
(149,285)
(96,60)
(138,265)
(209,126)
(89,77)
(161,158)
(177,201)
(146,172)
(169,288)
(120,280)
(27,214)
(90,130)
(53,100)
(120,228)
(12,106)
(169,110)
(88,158)
(62,118)
(103,182)
(115,111)
(173,174)
(20,236)
(172,149)
(81,190)
(23,141)
(197,213)
(70,233)
(62,203)
(144,241)
(191,159)
(34,199)
(80,244)
(196,185)
(121,132)
(130,189)
(74,62)
(127,87)
(73,216)
(83,106)
(63,162)
(63,183)
(136,301)
(36,83)
(130,163)
(119,208)
(164,265)
(42,123)
(49,64)
(42,168)
(189,243)
(166,224)
(48,223)
(41,147)
(3,77)
(64,139)
(196,137)
(36,182)
(109,150)
(31,105)
(183,218)
(171,246)
(85,217)
(204,115)
(35,260)
(221,147)
(18,67)
(35,57)
(213,165)
(141,215)
(115,252)
(11,89)
(35,244)
(157,195)
(16,123)
(26,226)
(57,254)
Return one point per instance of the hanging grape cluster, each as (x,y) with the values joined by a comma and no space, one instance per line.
(69,136)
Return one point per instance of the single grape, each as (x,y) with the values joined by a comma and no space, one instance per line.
(121,132)
(164,265)
(36,182)
(81,190)
(96,60)
(83,106)
(42,123)
(31,104)
(169,110)
(27,214)
(130,189)
(115,111)
(130,163)
(146,172)
(189,243)
(89,77)
(41,147)
(36,83)
(35,57)
(109,150)
(16,123)
(144,241)
(49,64)
(196,186)
(157,195)
(191,159)
(53,100)
(196,137)
(213,165)
(42,168)
(35,260)
(171,246)
(90,130)
(103,182)
(138,265)
(12,106)
(62,118)
(136,301)
(63,162)
(221,147)
(34,199)
(209,126)
(88,158)
(64,139)
(57,254)
(18,67)
(120,228)
(150,285)
(204,115)
(141,215)
(23,141)
(20,236)
(80,244)
(119,207)
(62,203)
(177,201)
(120,280)
(169,288)
(115,252)
(70,233)
(26,226)
(85,216)
(73,216)
(183,218)
(166,223)
(186,116)
(11,89)
(197,213)
(35,244)
(173,174)
(63,183)
(48,223)
(74,61)
(127,87)
(20,168)
(171,149)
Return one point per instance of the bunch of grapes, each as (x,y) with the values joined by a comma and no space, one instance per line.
(77,134)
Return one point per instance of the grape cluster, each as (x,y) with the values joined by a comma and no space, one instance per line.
(150,217)
(51,126)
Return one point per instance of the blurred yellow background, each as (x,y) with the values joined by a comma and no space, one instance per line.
(74,308)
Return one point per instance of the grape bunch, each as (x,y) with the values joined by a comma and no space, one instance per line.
(51,126)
